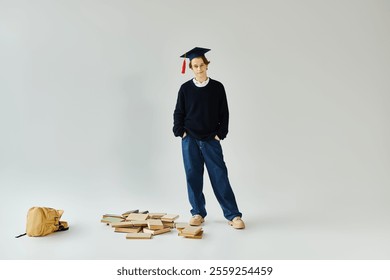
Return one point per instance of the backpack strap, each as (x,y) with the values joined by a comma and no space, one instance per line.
(63,226)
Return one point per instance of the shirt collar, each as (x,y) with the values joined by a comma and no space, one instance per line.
(199,84)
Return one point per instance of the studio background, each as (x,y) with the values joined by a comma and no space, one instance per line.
(87,93)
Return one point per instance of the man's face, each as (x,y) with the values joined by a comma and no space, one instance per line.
(199,68)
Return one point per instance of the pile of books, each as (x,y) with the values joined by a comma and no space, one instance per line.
(187,231)
(144,225)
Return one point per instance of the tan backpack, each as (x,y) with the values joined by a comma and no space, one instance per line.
(42,221)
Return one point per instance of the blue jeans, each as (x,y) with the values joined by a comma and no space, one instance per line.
(196,154)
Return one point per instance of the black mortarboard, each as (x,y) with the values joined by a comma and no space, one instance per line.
(195,52)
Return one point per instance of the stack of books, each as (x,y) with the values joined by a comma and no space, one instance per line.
(140,225)
(168,220)
(187,231)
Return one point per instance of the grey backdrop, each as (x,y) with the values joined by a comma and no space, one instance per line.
(87,92)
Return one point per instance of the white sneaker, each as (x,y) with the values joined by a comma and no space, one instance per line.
(237,223)
(196,220)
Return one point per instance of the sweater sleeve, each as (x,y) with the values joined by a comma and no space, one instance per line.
(223,116)
(179,115)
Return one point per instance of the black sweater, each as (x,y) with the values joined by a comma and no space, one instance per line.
(202,112)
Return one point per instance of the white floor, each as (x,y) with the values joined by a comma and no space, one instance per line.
(274,231)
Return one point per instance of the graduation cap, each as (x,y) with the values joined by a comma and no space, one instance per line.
(195,52)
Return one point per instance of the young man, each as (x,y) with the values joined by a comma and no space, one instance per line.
(201,118)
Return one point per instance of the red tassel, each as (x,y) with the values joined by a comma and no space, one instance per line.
(183,67)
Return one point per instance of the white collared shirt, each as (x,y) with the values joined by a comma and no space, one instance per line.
(199,84)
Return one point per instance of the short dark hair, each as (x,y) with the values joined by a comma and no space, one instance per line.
(205,61)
